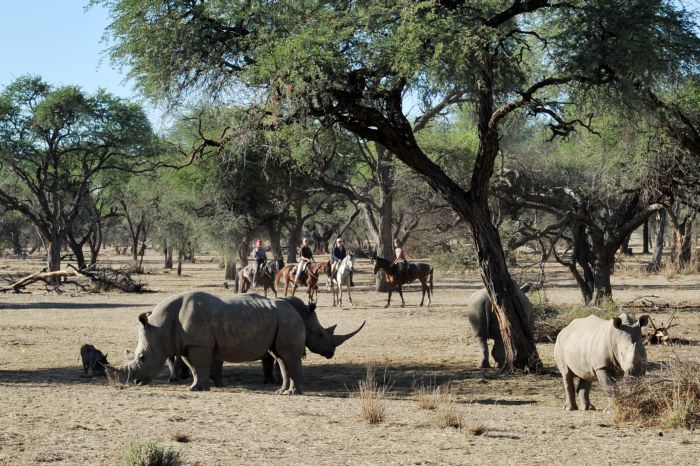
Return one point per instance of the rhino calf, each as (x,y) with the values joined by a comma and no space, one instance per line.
(94,360)
(484,323)
(593,348)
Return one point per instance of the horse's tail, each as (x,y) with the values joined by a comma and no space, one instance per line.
(431,280)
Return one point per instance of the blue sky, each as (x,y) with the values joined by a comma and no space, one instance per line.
(60,41)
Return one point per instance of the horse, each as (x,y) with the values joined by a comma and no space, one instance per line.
(342,276)
(395,279)
(308,278)
(266,279)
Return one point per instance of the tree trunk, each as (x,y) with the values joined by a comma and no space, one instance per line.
(655,264)
(16,242)
(625,248)
(518,337)
(294,233)
(95,243)
(603,268)
(684,240)
(168,256)
(230,268)
(180,254)
(53,248)
(645,237)
(273,230)
(77,249)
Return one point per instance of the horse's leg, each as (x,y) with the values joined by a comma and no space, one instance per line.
(403,303)
(423,287)
(286,284)
(388,301)
(348,285)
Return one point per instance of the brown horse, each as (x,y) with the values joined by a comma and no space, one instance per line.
(396,279)
(309,278)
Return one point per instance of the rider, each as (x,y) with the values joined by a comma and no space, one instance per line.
(305,256)
(260,257)
(401,262)
(337,255)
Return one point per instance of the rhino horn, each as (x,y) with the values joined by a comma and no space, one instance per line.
(331,329)
(340,339)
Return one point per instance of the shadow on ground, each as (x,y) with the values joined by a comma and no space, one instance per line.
(65,306)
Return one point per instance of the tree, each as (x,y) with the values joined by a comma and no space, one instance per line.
(351,64)
(53,144)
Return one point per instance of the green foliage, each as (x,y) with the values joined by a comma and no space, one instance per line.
(147,453)
(459,260)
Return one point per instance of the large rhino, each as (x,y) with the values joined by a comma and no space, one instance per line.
(207,330)
(593,348)
(484,323)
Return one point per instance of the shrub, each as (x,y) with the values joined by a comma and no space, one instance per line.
(147,453)
(670,398)
(447,412)
(456,261)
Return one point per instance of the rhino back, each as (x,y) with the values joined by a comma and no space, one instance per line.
(583,346)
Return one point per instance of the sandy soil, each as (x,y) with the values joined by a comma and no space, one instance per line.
(51,413)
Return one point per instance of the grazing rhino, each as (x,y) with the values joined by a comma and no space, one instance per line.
(593,348)
(94,360)
(207,330)
(484,323)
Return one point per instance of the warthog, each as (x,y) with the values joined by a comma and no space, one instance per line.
(207,330)
(593,348)
(484,323)
(94,360)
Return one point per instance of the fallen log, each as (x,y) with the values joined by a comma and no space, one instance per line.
(46,277)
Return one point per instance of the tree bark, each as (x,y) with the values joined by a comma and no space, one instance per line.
(645,237)
(655,264)
(77,249)
(53,256)
(179,262)
(168,257)
(294,236)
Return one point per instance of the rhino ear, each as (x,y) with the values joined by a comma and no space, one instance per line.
(617,322)
(143,318)
(643,320)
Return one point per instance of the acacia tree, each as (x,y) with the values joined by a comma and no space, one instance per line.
(351,64)
(53,144)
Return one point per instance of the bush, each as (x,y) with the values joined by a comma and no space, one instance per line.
(456,261)
(147,453)
(670,398)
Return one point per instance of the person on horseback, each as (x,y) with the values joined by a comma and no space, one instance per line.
(260,257)
(400,262)
(337,255)
(305,257)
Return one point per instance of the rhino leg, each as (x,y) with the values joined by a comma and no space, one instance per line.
(584,392)
(607,381)
(294,376)
(285,376)
(268,364)
(215,371)
(484,347)
(568,377)
(171,368)
(498,351)
(199,361)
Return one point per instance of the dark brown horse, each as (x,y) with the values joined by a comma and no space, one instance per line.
(309,278)
(396,279)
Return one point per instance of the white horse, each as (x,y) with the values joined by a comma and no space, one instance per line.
(342,276)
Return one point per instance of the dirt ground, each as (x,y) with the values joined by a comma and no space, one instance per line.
(51,413)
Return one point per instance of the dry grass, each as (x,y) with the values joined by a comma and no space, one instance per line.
(373,396)
(447,413)
(476,429)
(146,453)
(427,395)
(670,399)
(181,437)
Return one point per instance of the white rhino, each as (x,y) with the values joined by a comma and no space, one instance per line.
(484,323)
(593,348)
(206,330)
